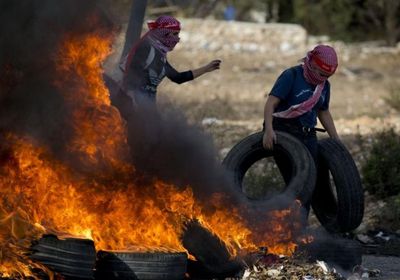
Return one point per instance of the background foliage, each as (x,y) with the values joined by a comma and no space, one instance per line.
(348,20)
(381,171)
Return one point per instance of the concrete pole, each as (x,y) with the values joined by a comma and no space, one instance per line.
(136,18)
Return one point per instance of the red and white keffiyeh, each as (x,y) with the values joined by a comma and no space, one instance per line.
(161,33)
(324,58)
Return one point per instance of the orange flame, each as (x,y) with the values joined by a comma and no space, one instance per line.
(283,230)
(42,195)
(100,135)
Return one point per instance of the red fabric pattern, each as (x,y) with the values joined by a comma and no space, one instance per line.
(324,58)
(161,33)
(301,108)
(158,37)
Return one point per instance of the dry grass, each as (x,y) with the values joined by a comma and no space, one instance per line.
(237,92)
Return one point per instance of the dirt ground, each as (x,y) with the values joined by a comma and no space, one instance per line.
(228,103)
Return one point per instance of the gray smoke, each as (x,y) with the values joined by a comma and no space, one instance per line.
(31,31)
(166,146)
(163,145)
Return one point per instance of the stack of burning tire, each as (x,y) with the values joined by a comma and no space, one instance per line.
(70,257)
(77,259)
(132,265)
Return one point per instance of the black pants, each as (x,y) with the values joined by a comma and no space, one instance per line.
(144,101)
(143,123)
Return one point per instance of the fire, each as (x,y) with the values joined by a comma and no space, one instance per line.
(101,199)
(283,230)
(99,131)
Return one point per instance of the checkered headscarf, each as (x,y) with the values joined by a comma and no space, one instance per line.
(322,56)
(160,30)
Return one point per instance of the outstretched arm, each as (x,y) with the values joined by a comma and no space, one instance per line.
(326,120)
(213,65)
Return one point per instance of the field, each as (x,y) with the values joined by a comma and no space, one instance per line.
(228,103)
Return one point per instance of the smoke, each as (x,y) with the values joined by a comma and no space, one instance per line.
(163,145)
(166,146)
(31,33)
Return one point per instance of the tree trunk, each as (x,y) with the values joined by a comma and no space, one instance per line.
(272,11)
(391,21)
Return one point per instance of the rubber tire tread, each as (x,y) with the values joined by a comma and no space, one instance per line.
(69,245)
(214,258)
(347,213)
(250,149)
(70,257)
(164,266)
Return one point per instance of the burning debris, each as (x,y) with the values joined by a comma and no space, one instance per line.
(65,161)
(299,269)
(290,268)
(213,260)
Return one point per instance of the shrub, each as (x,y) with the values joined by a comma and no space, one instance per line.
(263,180)
(393,100)
(381,170)
(389,216)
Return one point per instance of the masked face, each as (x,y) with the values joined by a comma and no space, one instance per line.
(320,64)
(166,31)
(319,73)
(171,39)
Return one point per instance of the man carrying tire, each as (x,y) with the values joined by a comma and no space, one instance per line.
(299,96)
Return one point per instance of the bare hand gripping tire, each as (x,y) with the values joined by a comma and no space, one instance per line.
(338,207)
(250,150)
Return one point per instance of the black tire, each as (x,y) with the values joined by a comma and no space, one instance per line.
(130,265)
(337,252)
(71,257)
(211,253)
(340,206)
(250,150)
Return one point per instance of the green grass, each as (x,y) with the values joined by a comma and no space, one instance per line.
(263,180)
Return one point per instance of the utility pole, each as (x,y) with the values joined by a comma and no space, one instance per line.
(136,18)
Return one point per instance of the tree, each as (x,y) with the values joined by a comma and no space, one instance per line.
(326,17)
(384,14)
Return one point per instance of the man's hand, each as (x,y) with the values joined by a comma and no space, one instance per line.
(213,65)
(269,138)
